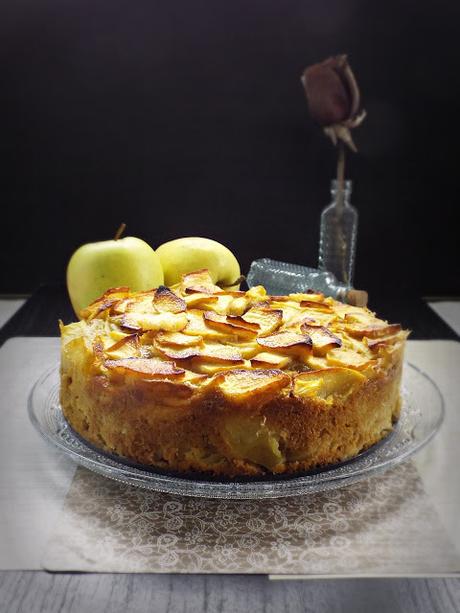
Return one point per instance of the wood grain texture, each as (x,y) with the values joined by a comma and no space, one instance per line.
(40,592)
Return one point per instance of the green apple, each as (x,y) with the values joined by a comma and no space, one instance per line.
(96,267)
(185,255)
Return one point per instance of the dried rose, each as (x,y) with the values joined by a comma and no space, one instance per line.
(333,98)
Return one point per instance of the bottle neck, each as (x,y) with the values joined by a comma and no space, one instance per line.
(339,291)
(341,194)
(345,293)
(333,286)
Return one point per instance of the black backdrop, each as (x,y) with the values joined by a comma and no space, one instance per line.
(187,117)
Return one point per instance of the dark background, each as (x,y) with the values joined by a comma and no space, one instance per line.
(187,117)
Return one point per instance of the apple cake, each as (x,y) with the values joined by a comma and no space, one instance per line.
(194,378)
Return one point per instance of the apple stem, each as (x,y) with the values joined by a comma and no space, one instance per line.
(120,231)
(235,282)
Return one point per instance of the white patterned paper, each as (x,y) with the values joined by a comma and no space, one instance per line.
(382,525)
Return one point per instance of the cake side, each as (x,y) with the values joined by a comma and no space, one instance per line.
(233,402)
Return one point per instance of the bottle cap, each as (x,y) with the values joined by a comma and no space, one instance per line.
(357,297)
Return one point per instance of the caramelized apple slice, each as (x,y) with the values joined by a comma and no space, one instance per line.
(268,359)
(328,384)
(290,343)
(194,377)
(312,318)
(178,339)
(348,359)
(342,310)
(250,438)
(138,304)
(314,297)
(263,304)
(290,308)
(267,319)
(323,339)
(71,331)
(172,393)
(209,302)
(230,324)
(115,333)
(199,281)
(234,293)
(196,326)
(120,307)
(240,385)
(240,322)
(292,315)
(219,354)
(114,293)
(238,305)
(120,291)
(377,330)
(384,341)
(317,306)
(247,348)
(364,316)
(128,325)
(317,363)
(146,368)
(200,300)
(101,308)
(257,293)
(126,347)
(221,306)
(208,368)
(214,353)
(143,322)
(293,320)
(107,301)
(280,298)
(309,296)
(175,353)
(165,300)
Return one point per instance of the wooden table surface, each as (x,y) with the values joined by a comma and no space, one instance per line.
(36,591)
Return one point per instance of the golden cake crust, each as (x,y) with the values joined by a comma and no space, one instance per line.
(197,379)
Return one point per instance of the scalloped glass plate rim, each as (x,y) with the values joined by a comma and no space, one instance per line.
(339,475)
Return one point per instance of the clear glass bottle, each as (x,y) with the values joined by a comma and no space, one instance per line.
(338,232)
(280,278)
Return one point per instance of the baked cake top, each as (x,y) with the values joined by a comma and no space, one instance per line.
(195,334)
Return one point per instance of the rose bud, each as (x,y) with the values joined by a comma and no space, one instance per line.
(333,98)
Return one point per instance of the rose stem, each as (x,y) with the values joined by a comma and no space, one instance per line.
(120,231)
(340,174)
(340,200)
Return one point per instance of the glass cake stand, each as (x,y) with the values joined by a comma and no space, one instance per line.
(421,416)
